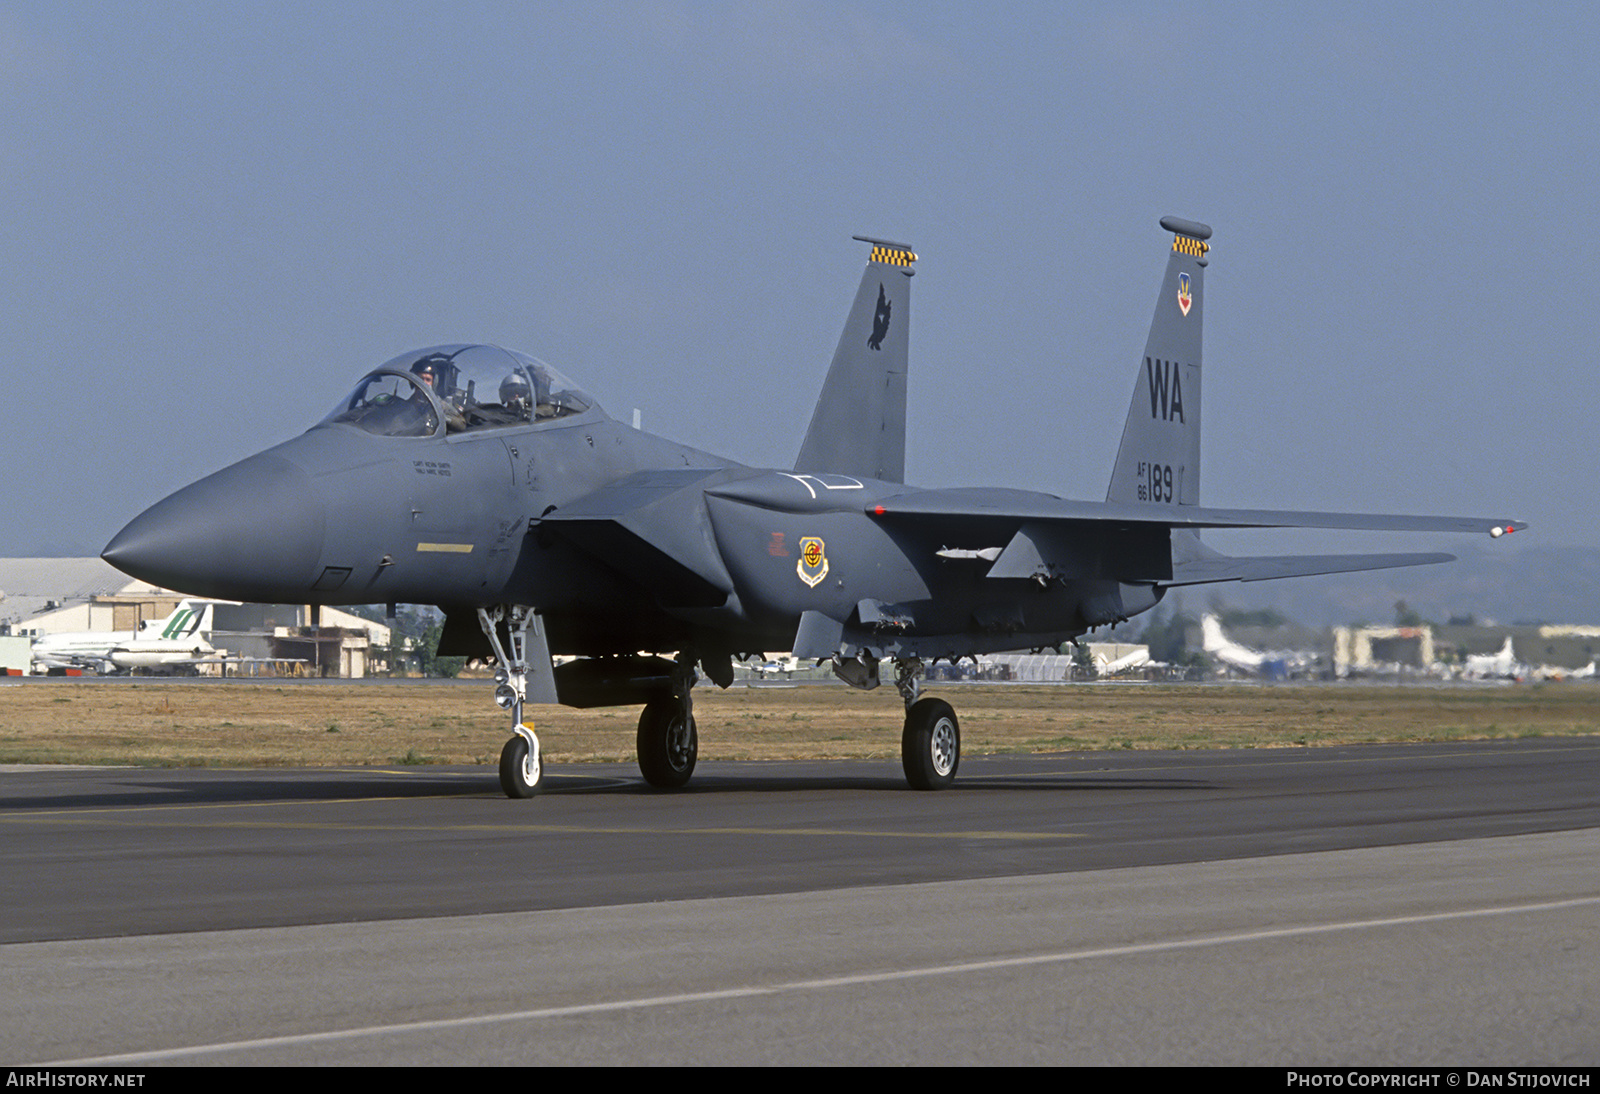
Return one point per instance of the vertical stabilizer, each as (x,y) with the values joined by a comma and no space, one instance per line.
(181,623)
(1159,459)
(859,426)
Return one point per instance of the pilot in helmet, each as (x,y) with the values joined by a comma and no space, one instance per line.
(431,370)
(428,371)
(515,396)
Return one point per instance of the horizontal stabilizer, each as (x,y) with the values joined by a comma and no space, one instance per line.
(1264,568)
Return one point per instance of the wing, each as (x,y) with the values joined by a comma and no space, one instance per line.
(975,503)
(1046,536)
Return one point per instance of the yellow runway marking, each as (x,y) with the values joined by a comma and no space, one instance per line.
(1097,763)
(140,816)
(143,820)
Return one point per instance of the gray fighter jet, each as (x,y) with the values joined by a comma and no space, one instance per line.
(485,482)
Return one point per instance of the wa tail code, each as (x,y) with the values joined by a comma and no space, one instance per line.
(1166,389)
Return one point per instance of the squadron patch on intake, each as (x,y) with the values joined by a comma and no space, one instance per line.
(813,564)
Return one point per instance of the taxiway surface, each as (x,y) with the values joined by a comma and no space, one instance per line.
(1384,904)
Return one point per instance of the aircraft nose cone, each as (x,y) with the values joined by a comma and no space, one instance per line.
(253,531)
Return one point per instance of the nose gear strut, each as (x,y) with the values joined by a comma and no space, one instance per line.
(521,767)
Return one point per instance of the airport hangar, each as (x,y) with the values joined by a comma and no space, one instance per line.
(43,596)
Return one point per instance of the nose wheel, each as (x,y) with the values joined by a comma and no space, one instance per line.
(521,772)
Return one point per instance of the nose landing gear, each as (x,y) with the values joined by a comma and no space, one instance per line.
(521,766)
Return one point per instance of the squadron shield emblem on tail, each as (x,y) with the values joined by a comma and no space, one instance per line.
(1184,299)
(880,320)
(813,564)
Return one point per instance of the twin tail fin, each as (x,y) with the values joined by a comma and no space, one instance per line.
(859,425)
(1158,461)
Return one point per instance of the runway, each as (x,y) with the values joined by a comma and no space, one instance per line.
(1375,905)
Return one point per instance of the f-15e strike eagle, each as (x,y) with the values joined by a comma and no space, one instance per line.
(483,481)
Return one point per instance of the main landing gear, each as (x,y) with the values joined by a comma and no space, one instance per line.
(669,741)
(930,744)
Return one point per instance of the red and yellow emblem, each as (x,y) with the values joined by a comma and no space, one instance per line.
(1185,301)
(813,564)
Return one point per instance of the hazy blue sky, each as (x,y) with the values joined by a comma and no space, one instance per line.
(219,216)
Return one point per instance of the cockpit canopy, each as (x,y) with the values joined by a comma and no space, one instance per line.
(467,388)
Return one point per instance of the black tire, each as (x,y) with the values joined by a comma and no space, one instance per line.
(930,747)
(666,752)
(518,777)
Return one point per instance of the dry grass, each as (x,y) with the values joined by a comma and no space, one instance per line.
(245,724)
